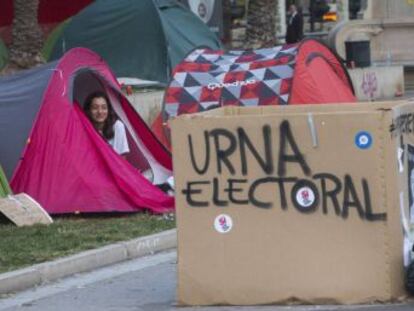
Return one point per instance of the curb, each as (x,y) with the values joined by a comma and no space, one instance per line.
(11,282)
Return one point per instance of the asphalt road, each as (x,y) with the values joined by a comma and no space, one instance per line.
(143,284)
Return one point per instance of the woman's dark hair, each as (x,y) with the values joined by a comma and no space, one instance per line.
(108,128)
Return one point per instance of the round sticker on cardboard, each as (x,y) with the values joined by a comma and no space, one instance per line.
(305,196)
(363,140)
(223,223)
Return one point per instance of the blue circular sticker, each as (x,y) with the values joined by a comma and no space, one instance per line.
(363,140)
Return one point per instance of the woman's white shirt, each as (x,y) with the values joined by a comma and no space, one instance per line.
(119,142)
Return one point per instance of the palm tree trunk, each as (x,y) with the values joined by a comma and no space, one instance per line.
(26,34)
(262,17)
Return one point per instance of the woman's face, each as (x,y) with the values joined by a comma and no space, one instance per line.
(99,110)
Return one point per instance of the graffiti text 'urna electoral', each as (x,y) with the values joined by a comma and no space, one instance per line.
(308,194)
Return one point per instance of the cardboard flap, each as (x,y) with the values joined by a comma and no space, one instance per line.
(232,111)
(23,210)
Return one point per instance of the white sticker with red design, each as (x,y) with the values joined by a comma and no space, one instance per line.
(223,223)
(305,197)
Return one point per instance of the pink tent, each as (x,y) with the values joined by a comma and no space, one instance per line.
(52,152)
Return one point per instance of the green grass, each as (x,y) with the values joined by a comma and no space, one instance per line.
(25,246)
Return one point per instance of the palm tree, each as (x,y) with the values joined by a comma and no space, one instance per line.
(26,34)
(262,20)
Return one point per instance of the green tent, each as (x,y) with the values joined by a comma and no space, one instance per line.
(138,38)
(52,38)
(4,55)
(4,185)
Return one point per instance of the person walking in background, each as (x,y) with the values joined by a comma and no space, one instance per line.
(294,32)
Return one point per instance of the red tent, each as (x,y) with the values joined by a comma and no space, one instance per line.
(304,73)
(53,153)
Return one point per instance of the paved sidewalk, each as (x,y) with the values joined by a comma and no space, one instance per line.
(146,284)
(19,280)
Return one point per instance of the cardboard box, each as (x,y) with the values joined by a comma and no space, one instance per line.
(293,204)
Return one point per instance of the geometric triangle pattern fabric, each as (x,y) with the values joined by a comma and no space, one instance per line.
(190,81)
(195,92)
(228,97)
(208,79)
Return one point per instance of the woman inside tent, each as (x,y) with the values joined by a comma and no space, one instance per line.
(99,110)
(101,114)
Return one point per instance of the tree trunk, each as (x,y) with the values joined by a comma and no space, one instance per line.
(25,50)
(262,18)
